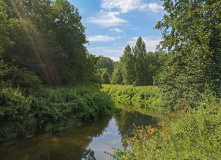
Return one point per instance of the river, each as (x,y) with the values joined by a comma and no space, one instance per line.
(88,142)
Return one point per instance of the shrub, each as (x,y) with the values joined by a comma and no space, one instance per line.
(37,111)
(15,115)
(126,94)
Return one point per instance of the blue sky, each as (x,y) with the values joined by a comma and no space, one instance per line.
(112,24)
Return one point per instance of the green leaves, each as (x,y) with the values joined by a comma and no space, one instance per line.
(128,66)
(25,112)
(191,33)
(136,67)
(47,38)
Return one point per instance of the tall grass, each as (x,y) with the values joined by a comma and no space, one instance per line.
(26,112)
(193,134)
(147,96)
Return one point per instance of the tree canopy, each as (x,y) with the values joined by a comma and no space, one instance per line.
(191,32)
(45,38)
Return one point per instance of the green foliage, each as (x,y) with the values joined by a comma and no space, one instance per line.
(106,62)
(128,62)
(104,76)
(191,135)
(4,38)
(190,86)
(15,117)
(117,77)
(16,77)
(194,44)
(29,111)
(139,54)
(46,38)
(153,64)
(143,95)
(136,67)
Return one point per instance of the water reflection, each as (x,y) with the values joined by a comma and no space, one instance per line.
(66,145)
(87,143)
(127,120)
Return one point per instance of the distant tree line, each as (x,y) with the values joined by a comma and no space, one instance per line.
(136,66)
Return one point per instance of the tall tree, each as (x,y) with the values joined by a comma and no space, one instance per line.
(128,68)
(4,38)
(139,54)
(116,77)
(191,31)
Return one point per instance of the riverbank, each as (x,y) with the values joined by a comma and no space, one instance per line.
(194,133)
(146,96)
(90,141)
(27,112)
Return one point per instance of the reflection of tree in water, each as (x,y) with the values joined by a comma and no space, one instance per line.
(126,121)
(88,155)
(68,144)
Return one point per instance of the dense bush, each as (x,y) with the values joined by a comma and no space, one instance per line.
(143,95)
(16,118)
(25,112)
(15,77)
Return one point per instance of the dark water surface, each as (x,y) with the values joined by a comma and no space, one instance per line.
(82,143)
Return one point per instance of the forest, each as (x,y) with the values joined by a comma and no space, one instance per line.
(50,81)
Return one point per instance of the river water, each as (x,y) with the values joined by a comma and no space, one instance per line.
(88,142)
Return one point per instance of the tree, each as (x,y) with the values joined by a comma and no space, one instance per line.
(104,76)
(4,38)
(48,39)
(106,62)
(128,70)
(138,67)
(139,54)
(191,32)
(116,77)
(153,64)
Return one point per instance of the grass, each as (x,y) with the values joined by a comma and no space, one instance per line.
(194,133)
(147,96)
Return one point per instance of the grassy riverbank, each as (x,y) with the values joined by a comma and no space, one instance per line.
(146,96)
(194,133)
(27,112)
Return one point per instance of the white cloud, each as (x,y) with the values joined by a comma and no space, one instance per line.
(116,30)
(151,42)
(154,7)
(113,53)
(100,38)
(107,19)
(128,5)
(115,58)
